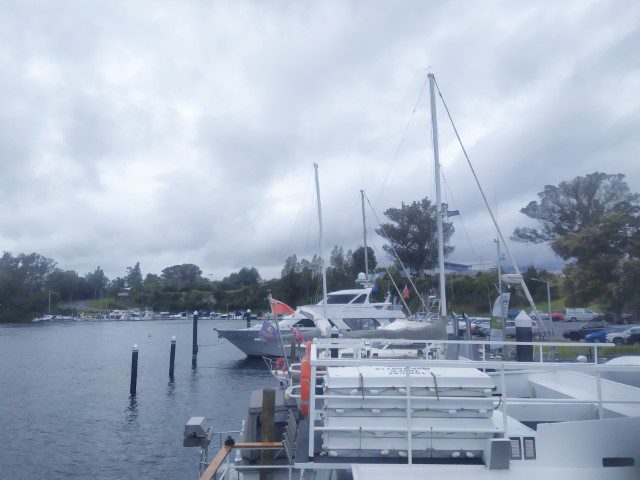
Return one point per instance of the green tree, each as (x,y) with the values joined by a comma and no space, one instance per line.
(243,278)
(413,234)
(593,224)
(96,281)
(574,204)
(182,275)
(357,260)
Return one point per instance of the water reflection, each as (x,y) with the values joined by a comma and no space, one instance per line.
(131,412)
(171,389)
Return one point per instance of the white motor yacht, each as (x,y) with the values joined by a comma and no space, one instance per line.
(346,310)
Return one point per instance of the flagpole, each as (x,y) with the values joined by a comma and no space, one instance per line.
(284,353)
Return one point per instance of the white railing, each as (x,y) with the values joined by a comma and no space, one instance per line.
(362,356)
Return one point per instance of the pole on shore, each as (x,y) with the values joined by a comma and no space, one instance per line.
(194,349)
(524,333)
(134,371)
(172,358)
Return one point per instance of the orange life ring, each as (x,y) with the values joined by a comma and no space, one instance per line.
(281,364)
(305,385)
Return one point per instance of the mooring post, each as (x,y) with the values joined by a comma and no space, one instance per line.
(172,357)
(524,333)
(134,370)
(268,427)
(194,350)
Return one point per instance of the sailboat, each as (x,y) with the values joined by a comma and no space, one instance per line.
(351,310)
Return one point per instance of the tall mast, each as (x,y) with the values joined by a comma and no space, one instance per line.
(364,234)
(499,270)
(320,247)
(436,157)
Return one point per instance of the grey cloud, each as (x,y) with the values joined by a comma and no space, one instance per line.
(185,132)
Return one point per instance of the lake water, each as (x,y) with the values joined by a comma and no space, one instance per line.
(65,410)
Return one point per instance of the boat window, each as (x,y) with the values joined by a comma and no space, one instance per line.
(304,322)
(361,323)
(339,298)
(360,299)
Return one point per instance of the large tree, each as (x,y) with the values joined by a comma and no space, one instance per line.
(181,275)
(593,223)
(413,234)
(574,204)
(357,260)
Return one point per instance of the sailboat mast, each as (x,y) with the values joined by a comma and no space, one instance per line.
(323,268)
(499,269)
(364,234)
(436,157)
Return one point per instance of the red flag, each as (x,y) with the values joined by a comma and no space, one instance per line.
(405,292)
(280,308)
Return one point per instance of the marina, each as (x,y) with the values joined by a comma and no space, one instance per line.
(329,240)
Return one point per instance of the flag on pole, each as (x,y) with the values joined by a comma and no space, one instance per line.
(405,292)
(453,213)
(280,308)
(268,332)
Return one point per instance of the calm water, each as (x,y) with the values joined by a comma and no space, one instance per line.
(65,410)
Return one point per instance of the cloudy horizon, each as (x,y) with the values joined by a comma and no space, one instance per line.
(185,132)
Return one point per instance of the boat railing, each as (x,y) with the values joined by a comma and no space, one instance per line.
(362,356)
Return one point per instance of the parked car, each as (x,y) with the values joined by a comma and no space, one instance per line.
(511,314)
(579,314)
(511,328)
(601,336)
(557,316)
(620,318)
(634,336)
(543,315)
(578,334)
(482,327)
(626,337)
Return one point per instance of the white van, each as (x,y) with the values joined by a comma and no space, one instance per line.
(579,315)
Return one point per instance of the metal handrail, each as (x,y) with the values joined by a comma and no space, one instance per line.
(500,367)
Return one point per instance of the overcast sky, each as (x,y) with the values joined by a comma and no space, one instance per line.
(185,131)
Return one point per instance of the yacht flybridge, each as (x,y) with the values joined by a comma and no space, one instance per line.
(346,310)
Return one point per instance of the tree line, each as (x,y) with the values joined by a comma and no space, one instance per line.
(592,223)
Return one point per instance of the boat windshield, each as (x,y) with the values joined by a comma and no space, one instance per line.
(339,298)
(362,323)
